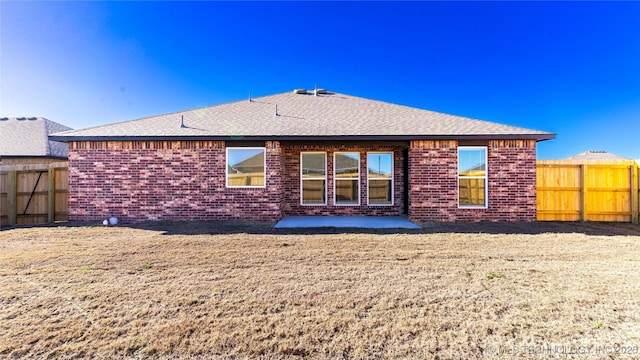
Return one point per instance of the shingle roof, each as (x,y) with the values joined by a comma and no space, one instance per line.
(250,164)
(304,116)
(27,137)
(596,155)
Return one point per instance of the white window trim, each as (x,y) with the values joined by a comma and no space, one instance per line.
(226,168)
(335,178)
(381,178)
(485,177)
(325,178)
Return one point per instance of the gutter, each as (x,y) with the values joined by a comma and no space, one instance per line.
(537,137)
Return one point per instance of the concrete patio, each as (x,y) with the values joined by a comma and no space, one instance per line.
(369,222)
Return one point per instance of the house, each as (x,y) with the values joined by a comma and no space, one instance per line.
(303,153)
(24,140)
(597,156)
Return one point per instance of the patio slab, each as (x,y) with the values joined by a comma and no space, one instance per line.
(369,222)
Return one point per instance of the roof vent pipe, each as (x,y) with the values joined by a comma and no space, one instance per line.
(182,122)
(315,91)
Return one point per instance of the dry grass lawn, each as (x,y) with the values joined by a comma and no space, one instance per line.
(246,291)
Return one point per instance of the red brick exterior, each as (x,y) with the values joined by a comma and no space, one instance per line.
(512,181)
(185,180)
(178,180)
(433,182)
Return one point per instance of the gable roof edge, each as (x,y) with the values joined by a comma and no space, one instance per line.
(537,137)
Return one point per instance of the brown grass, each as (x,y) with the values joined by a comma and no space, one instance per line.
(205,291)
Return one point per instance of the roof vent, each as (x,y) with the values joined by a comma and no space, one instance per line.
(4,119)
(314,91)
(32,118)
(21,118)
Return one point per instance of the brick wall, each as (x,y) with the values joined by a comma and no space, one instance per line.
(185,180)
(433,182)
(162,180)
(292,206)
(512,180)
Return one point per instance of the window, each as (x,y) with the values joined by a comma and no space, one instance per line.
(346,180)
(245,167)
(380,178)
(472,177)
(313,177)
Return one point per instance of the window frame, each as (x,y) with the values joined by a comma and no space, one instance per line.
(336,178)
(326,178)
(485,177)
(226,167)
(392,179)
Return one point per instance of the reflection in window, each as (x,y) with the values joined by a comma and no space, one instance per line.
(472,176)
(314,178)
(347,178)
(380,178)
(245,167)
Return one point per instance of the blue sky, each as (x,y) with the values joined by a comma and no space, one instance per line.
(572,68)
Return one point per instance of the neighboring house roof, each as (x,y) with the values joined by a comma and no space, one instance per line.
(252,164)
(596,155)
(305,116)
(314,164)
(346,164)
(477,170)
(343,163)
(28,137)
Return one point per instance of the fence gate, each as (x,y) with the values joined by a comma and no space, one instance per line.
(33,194)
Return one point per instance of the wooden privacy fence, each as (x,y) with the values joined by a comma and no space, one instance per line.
(597,191)
(245,179)
(33,194)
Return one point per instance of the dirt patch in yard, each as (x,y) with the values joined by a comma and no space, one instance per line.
(188,290)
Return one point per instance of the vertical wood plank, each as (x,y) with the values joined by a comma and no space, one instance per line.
(12,197)
(583,192)
(635,196)
(51,204)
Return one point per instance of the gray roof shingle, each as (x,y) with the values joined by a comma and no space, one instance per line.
(304,116)
(28,137)
(596,155)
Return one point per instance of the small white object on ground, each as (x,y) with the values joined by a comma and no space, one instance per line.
(113,220)
(106,222)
